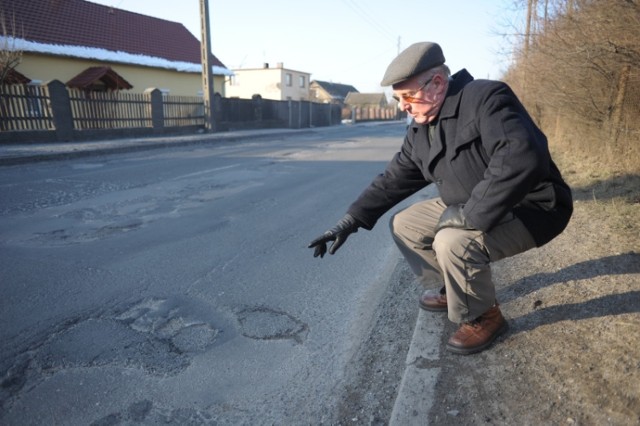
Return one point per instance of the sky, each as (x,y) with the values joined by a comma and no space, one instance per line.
(345,41)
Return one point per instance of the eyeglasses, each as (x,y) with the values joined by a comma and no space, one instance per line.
(411,96)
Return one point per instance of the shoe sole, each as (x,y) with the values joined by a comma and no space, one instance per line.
(480,348)
(433,309)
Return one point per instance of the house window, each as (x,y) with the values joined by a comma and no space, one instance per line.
(288,79)
(36,98)
(234,80)
(302,82)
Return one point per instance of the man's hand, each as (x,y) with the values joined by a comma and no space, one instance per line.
(453,217)
(338,234)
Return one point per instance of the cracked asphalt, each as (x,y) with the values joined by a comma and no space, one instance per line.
(174,285)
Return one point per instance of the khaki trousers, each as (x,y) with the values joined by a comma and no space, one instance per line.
(459,257)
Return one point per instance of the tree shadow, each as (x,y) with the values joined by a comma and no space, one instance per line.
(626,263)
(624,186)
(612,304)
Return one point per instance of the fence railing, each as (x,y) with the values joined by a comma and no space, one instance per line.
(375,113)
(25,108)
(53,112)
(183,111)
(109,110)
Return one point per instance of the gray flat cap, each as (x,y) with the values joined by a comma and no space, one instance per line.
(413,60)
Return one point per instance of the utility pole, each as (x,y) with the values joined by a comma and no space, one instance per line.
(207,75)
(529,25)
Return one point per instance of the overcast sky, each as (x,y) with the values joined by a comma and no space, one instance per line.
(344,41)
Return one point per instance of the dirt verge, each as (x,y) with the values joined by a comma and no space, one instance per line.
(572,355)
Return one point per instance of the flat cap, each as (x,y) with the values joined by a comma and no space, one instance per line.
(413,60)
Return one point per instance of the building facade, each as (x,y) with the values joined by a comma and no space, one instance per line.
(61,40)
(327,92)
(276,83)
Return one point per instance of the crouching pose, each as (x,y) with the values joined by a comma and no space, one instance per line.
(500,192)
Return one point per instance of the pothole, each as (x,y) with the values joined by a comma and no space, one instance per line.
(264,323)
(195,338)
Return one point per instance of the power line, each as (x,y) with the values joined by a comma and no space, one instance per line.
(368,18)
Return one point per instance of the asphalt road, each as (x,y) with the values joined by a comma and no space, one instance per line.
(175,285)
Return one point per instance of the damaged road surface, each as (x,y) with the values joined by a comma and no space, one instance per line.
(174,286)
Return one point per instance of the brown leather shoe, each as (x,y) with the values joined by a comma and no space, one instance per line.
(477,335)
(434,301)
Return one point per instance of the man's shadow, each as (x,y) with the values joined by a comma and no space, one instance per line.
(611,304)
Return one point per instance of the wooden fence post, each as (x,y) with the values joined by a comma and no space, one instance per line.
(60,110)
(157,107)
(256,101)
(326,111)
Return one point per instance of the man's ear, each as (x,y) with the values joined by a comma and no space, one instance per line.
(440,81)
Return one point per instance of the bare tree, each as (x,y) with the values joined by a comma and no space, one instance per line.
(581,61)
(10,56)
(585,51)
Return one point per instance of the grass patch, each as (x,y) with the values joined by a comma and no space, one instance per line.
(612,193)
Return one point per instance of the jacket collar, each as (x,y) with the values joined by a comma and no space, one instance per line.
(449,109)
(452,100)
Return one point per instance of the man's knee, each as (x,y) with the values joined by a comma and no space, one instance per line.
(458,243)
(395,223)
(392,226)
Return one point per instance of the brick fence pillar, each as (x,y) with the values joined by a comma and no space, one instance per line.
(60,110)
(157,107)
(256,101)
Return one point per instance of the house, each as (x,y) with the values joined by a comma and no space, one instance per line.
(366,100)
(14,77)
(277,83)
(326,92)
(98,47)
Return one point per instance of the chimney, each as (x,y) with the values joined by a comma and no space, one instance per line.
(266,65)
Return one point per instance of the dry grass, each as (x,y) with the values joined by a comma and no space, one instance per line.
(612,191)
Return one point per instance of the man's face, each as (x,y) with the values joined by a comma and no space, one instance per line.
(421,96)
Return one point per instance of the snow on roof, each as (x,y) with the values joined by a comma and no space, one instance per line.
(79,28)
(106,55)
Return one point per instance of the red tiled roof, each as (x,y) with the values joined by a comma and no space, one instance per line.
(109,77)
(14,77)
(81,23)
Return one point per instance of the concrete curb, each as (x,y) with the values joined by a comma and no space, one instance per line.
(416,393)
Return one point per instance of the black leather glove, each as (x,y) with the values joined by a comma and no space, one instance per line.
(453,217)
(339,234)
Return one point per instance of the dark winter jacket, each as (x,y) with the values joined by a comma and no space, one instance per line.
(486,153)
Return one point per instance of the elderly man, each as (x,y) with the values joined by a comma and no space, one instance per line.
(500,193)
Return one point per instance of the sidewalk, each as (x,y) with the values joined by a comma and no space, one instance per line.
(11,154)
(21,153)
